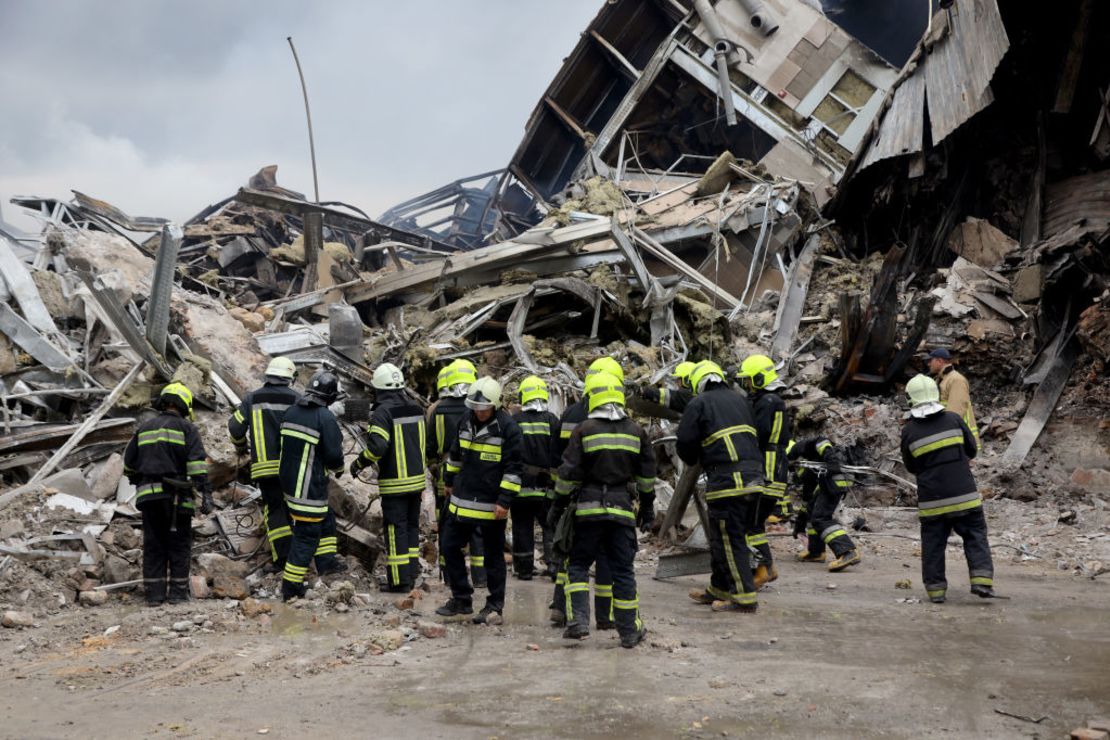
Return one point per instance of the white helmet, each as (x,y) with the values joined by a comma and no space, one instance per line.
(281,367)
(484,393)
(388,377)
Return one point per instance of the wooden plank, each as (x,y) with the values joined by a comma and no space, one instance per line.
(87,425)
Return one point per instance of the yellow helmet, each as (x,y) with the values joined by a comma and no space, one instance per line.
(603,388)
(444,377)
(702,371)
(606,365)
(532,388)
(180,396)
(758,370)
(682,372)
(463,372)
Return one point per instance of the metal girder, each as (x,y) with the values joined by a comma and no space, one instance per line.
(161,288)
(31,341)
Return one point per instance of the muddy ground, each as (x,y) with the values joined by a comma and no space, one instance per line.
(864,659)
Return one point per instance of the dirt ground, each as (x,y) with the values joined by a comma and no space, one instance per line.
(864,659)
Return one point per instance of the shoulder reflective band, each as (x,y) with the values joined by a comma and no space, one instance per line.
(238,416)
(297,431)
(935,442)
(164,434)
(380,431)
(622,442)
(948,505)
(822,446)
(567,429)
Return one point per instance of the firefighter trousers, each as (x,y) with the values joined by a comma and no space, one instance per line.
(617,543)
(728,549)
(603,587)
(278,530)
(824,529)
(477,549)
(526,513)
(971,526)
(457,533)
(311,540)
(401,533)
(763,506)
(167,544)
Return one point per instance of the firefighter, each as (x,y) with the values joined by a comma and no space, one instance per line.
(718,432)
(676,397)
(165,461)
(955,393)
(609,457)
(443,421)
(575,414)
(759,379)
(395,443)
(822,492)
(256,426)
(311,448)
(937,447)
(483,476)
(539,430)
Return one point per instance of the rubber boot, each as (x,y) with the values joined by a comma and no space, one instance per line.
(805,556)
(851,557)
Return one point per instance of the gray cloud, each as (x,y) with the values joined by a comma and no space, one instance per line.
(161,107)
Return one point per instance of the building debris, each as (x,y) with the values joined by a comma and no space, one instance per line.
(693,184)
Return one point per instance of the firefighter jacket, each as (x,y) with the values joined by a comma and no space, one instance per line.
(539,451)
(484,466)
(163,457)
(396,443)
(258,420)
(675,399)
(604,463)
(574,415)
(832,479)
(311,447)
(937,449)
(772,426)
(718,431)
(955,394)
(442,424)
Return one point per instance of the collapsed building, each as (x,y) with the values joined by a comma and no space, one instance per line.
(700,180)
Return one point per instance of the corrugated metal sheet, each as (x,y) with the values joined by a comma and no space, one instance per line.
(903,126)
(955,77)
(1086,197)
(959,69)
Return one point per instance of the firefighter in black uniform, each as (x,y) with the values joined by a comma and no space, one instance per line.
(758,378)
(165,461)
(718,431)
(822,491)
(675,398)
(574,415)
(256,425)
(608,458)
(540,432)
(936,447)
(483,477)
(395,444)
(311,448)
(443,419)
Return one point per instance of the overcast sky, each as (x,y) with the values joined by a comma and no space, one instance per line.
(162,107)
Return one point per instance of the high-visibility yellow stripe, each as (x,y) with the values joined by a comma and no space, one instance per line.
(728,432)
(441,434)
(605,510)
(471,513)
(300,435)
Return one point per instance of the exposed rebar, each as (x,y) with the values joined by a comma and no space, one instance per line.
(308,115)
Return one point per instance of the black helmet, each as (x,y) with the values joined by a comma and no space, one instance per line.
(323,387)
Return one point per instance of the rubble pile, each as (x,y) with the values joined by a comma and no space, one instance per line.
(816,223)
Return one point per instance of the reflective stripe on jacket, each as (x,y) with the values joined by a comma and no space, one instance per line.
(539,451)
(938,449)
(311,447)
(258,421)
(165,446)
(772,424)
(604,463)
(484,466)
(718,431)
(397,444)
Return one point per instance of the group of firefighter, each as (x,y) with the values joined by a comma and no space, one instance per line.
(585,479)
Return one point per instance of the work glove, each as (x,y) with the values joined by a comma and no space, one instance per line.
(241,450)
(645,517)
(206,505)
(356,466)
